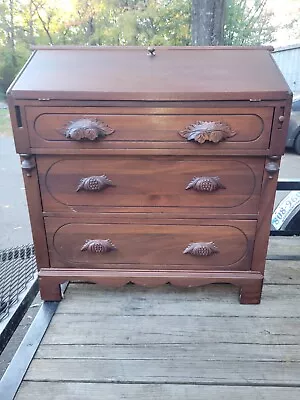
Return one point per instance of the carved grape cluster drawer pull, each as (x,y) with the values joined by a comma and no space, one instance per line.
(207,131)
(201,249)
(94,183)
(87,129)
(98,246)
(205,184)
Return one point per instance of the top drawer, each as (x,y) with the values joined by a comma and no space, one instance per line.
(215,128)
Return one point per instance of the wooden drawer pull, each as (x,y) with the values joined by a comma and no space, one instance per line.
(98,246)
(94,183)
(272,168)
(87,129)
(28,163)
(205,184)
(201,249)
(207,131)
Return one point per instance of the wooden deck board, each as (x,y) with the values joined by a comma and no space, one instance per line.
(284,246)
(83,330)
(172,370)
(283,272)
(211,301)
(96,391)
(210,352)
(135,343)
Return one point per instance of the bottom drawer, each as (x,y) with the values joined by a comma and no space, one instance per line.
(150,245)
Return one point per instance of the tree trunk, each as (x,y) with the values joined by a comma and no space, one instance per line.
(12,41)
(90,29)
(46,26)
(31,29)
(207,22)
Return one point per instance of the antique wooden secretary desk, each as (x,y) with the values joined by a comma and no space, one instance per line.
(150,165)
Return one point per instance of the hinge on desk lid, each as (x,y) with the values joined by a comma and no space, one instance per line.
(44,99)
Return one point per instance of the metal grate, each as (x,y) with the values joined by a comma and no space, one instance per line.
(17,269)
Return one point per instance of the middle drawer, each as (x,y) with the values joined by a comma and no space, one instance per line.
(151,184)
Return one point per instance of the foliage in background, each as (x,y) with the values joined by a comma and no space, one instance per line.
(114,22)
(247,24)
(293,26)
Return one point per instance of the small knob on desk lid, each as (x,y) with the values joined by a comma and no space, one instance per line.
(151,51)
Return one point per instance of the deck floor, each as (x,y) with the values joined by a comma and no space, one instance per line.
(135,343)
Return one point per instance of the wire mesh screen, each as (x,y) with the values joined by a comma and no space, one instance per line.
(17,269)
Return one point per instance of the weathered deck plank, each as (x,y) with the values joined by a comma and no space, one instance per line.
(96,391)
(136,343)
(283,273)
(284,246)
(180,371)
(94,329)
(211,301)
(157,351)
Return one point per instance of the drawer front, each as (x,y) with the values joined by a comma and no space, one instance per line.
(218,186)
(62,127)
(143,245)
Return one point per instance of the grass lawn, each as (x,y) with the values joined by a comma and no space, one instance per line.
(5,128)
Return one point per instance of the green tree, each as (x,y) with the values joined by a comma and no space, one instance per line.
(248,25)
(13,52)
(293,27)
(125,22)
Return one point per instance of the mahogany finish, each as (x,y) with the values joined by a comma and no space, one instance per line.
(146,245)
(156,182)
(176,74)
(50,126)
(150,169)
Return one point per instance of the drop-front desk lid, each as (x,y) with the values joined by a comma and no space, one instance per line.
(129,73)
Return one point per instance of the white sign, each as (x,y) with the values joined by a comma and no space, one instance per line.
(285,208)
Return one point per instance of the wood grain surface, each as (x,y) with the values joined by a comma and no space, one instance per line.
(156,182)
(79,390)
(163,342)
(195,343)
(145,245)
(157,125)
(148,213)
(144,371)
(195,74)
(36,217)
